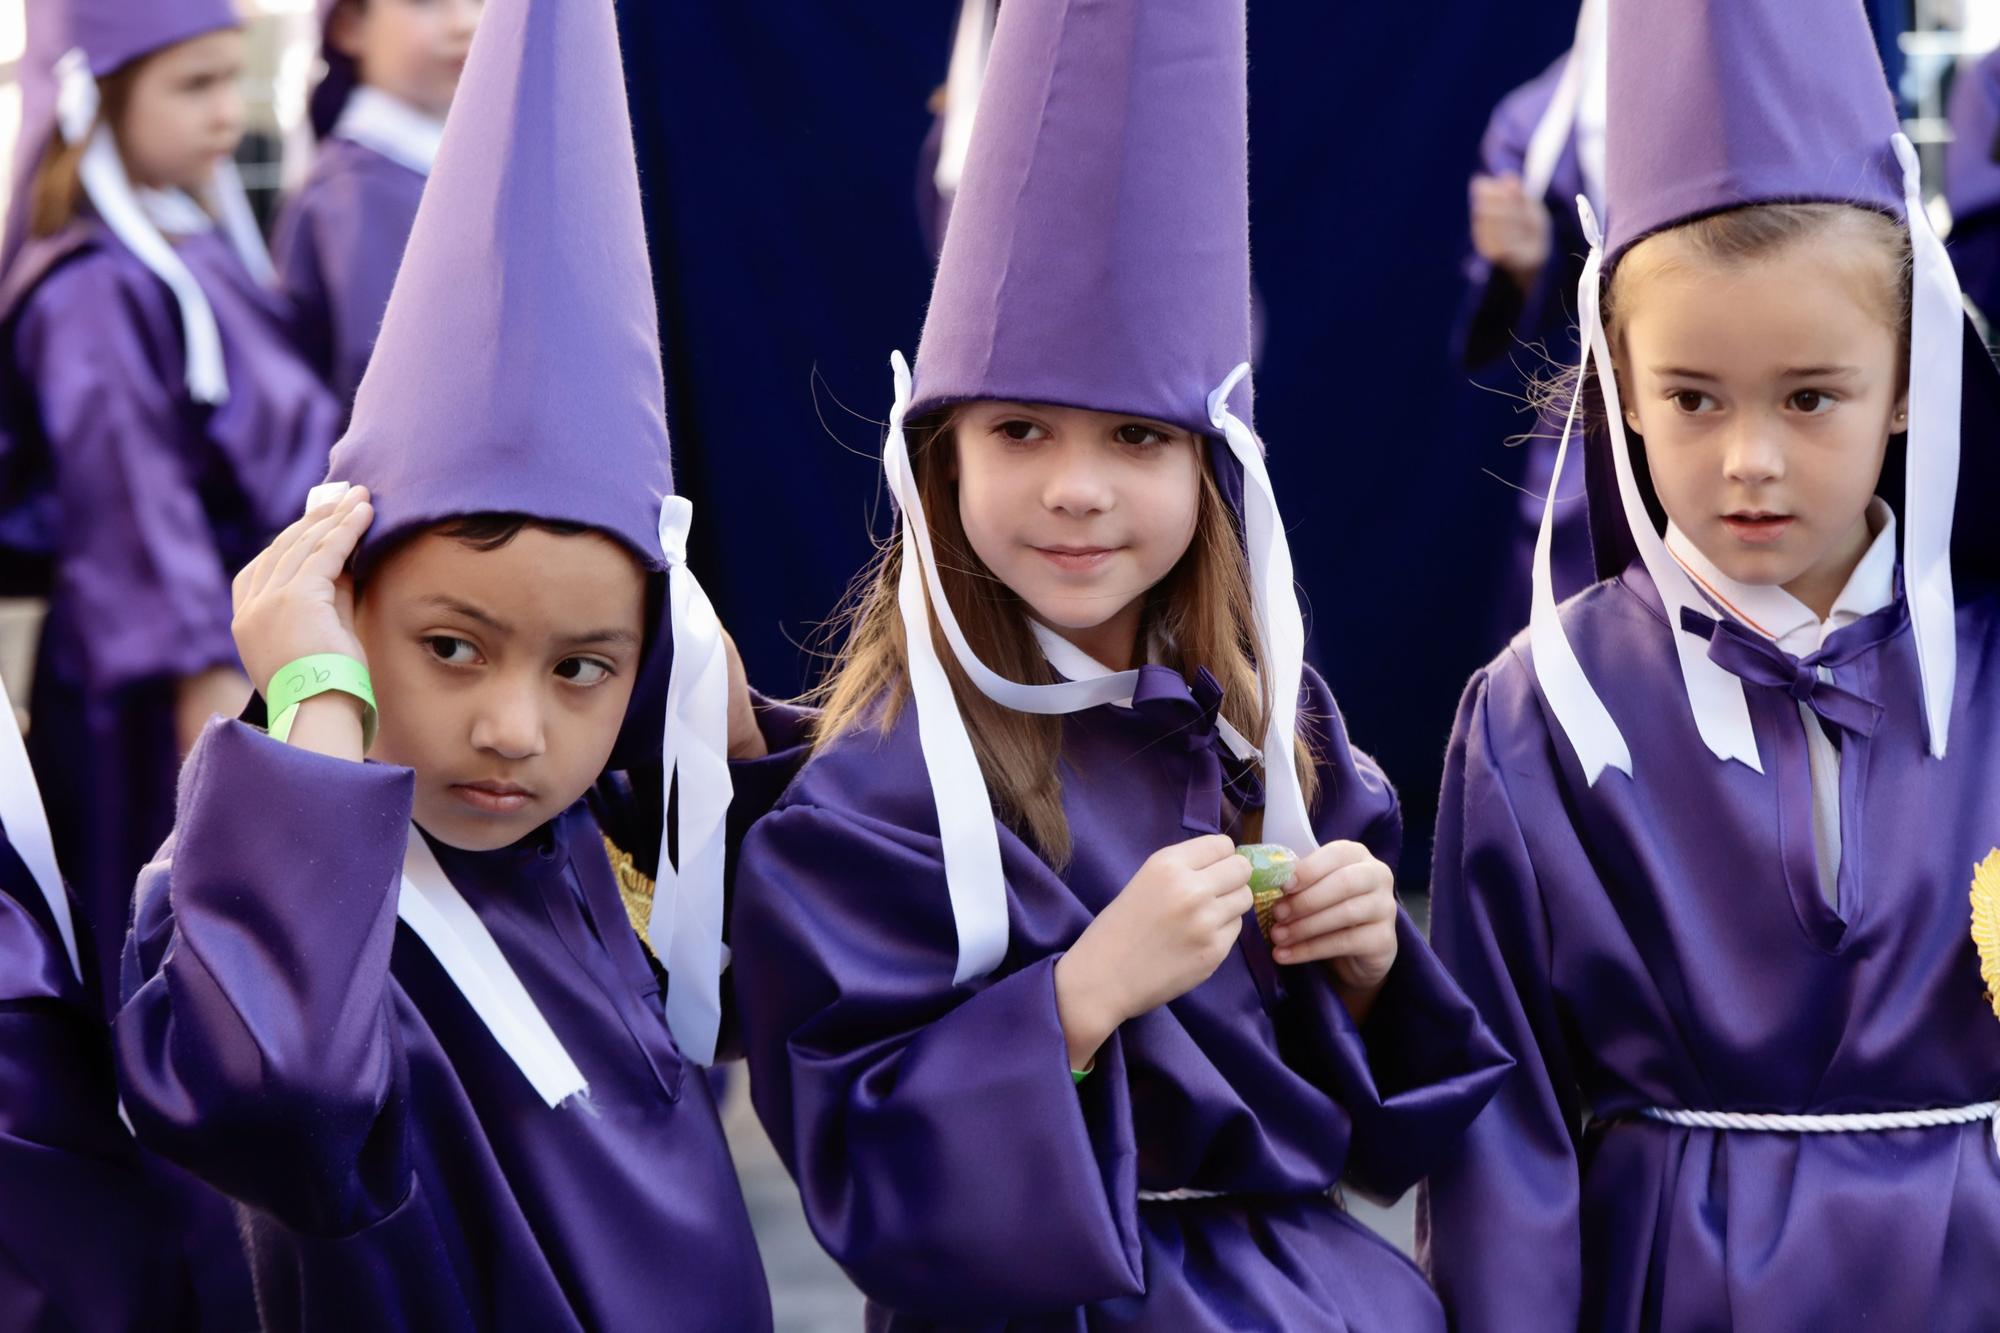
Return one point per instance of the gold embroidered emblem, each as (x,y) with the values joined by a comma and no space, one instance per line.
(634,888)
(1986,924)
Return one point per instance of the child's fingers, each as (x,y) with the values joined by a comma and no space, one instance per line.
(297,543)
(256,575)
(1349,881)
(330,554)
(1211,849)
(1374,939)
(1228,875)
(1329,857)
(1366,909)
(335,530)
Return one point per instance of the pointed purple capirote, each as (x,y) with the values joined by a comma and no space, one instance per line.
(518,369)
(1716,105)
(1099,248)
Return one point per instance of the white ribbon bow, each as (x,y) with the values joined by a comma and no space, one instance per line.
(969,840)
(1715,696)
(431,905)
(686,923)
(110,189)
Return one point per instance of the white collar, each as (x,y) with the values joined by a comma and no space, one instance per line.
(1783,618)
(392,127)
(1072,663)
(175,212)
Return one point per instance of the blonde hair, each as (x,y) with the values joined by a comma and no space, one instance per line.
(1201,614)
(56,196)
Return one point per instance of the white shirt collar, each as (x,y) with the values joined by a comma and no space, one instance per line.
(391,127)
(1072,663)
(175,212)
(1783,618)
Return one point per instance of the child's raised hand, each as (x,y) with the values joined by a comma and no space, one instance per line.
(295,599)
(1510,229)
(1342,909)
(1164,934)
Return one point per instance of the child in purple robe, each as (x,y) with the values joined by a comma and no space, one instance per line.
(155,423)
(86,1241)
(1709,828)
(1011,1021)
(391,69)
(404,1011)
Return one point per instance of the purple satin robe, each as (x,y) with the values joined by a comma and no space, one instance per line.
(337,246)
(288,1042)
(86,1241)
(945,1155)
(1663,941)
(157,501)
(1512,337)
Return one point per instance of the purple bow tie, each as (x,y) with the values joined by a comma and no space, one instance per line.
(1750,656)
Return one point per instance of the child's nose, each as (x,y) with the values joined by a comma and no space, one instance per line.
(463,16)
(1077,483)
(509,722)
(1754,453)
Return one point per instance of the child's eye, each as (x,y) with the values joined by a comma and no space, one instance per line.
(1691,401)
(583,671)
(451,650)
(1020,431)
(1145,437)
(1812,402)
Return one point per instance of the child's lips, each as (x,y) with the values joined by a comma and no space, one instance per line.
(1076,559)
(1757,527)
(493,798)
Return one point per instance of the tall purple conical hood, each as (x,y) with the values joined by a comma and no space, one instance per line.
(518,368)
(1099,248)
(113,33)
(1734,102)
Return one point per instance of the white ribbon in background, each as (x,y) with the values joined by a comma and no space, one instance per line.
(1577,108)
(394,129)
(110,190)
(432,906)
(240,224)
(685,928)
(966,832)
(1721,713)
(26,824)
(1937,347)
(971,44)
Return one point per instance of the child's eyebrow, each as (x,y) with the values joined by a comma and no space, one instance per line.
(1683,373)
(452,606)
(1822,372)
(622,638)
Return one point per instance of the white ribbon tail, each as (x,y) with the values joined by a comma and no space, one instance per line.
(431,906)
(1937,344)
(1592,732)
(1281,627)
(686,925)
(26,823)
(240,222)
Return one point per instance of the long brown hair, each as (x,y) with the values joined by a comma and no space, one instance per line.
(56,198)
(1201,614)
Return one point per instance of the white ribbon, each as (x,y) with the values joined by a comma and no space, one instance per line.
(1715,697)
(430,905)
(1937,334)
(240,224)
(966,831)
(26,824)
(686,923)
(1576,108)
(971,44)
(110,189)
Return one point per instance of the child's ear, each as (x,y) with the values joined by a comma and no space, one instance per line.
(1899,421)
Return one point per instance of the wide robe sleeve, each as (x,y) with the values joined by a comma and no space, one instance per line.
(258,1046)
(1416,1073)
(138,556)
(1499,1223)
(945,1155)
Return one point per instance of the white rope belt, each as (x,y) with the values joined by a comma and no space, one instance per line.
(1179,1196)
(1861,1123)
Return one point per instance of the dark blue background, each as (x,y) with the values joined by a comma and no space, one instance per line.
(777,144)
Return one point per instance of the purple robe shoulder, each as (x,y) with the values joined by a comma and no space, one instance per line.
(945,1155)
(86,1242)
(1663,941)
(1498,319)
(288,1042)
(155,502)
(337,246)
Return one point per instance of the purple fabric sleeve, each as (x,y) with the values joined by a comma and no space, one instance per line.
(257,1045)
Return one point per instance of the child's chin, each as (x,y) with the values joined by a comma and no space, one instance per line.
(470,832)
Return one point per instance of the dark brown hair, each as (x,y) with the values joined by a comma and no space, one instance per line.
(55,197)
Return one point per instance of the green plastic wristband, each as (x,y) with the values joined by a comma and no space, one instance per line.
(1079,1075)
(311,676)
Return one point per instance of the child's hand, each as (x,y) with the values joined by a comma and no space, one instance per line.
(1509,229)
(294,600)
(1164,934)
(746,738)
(1342,908)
